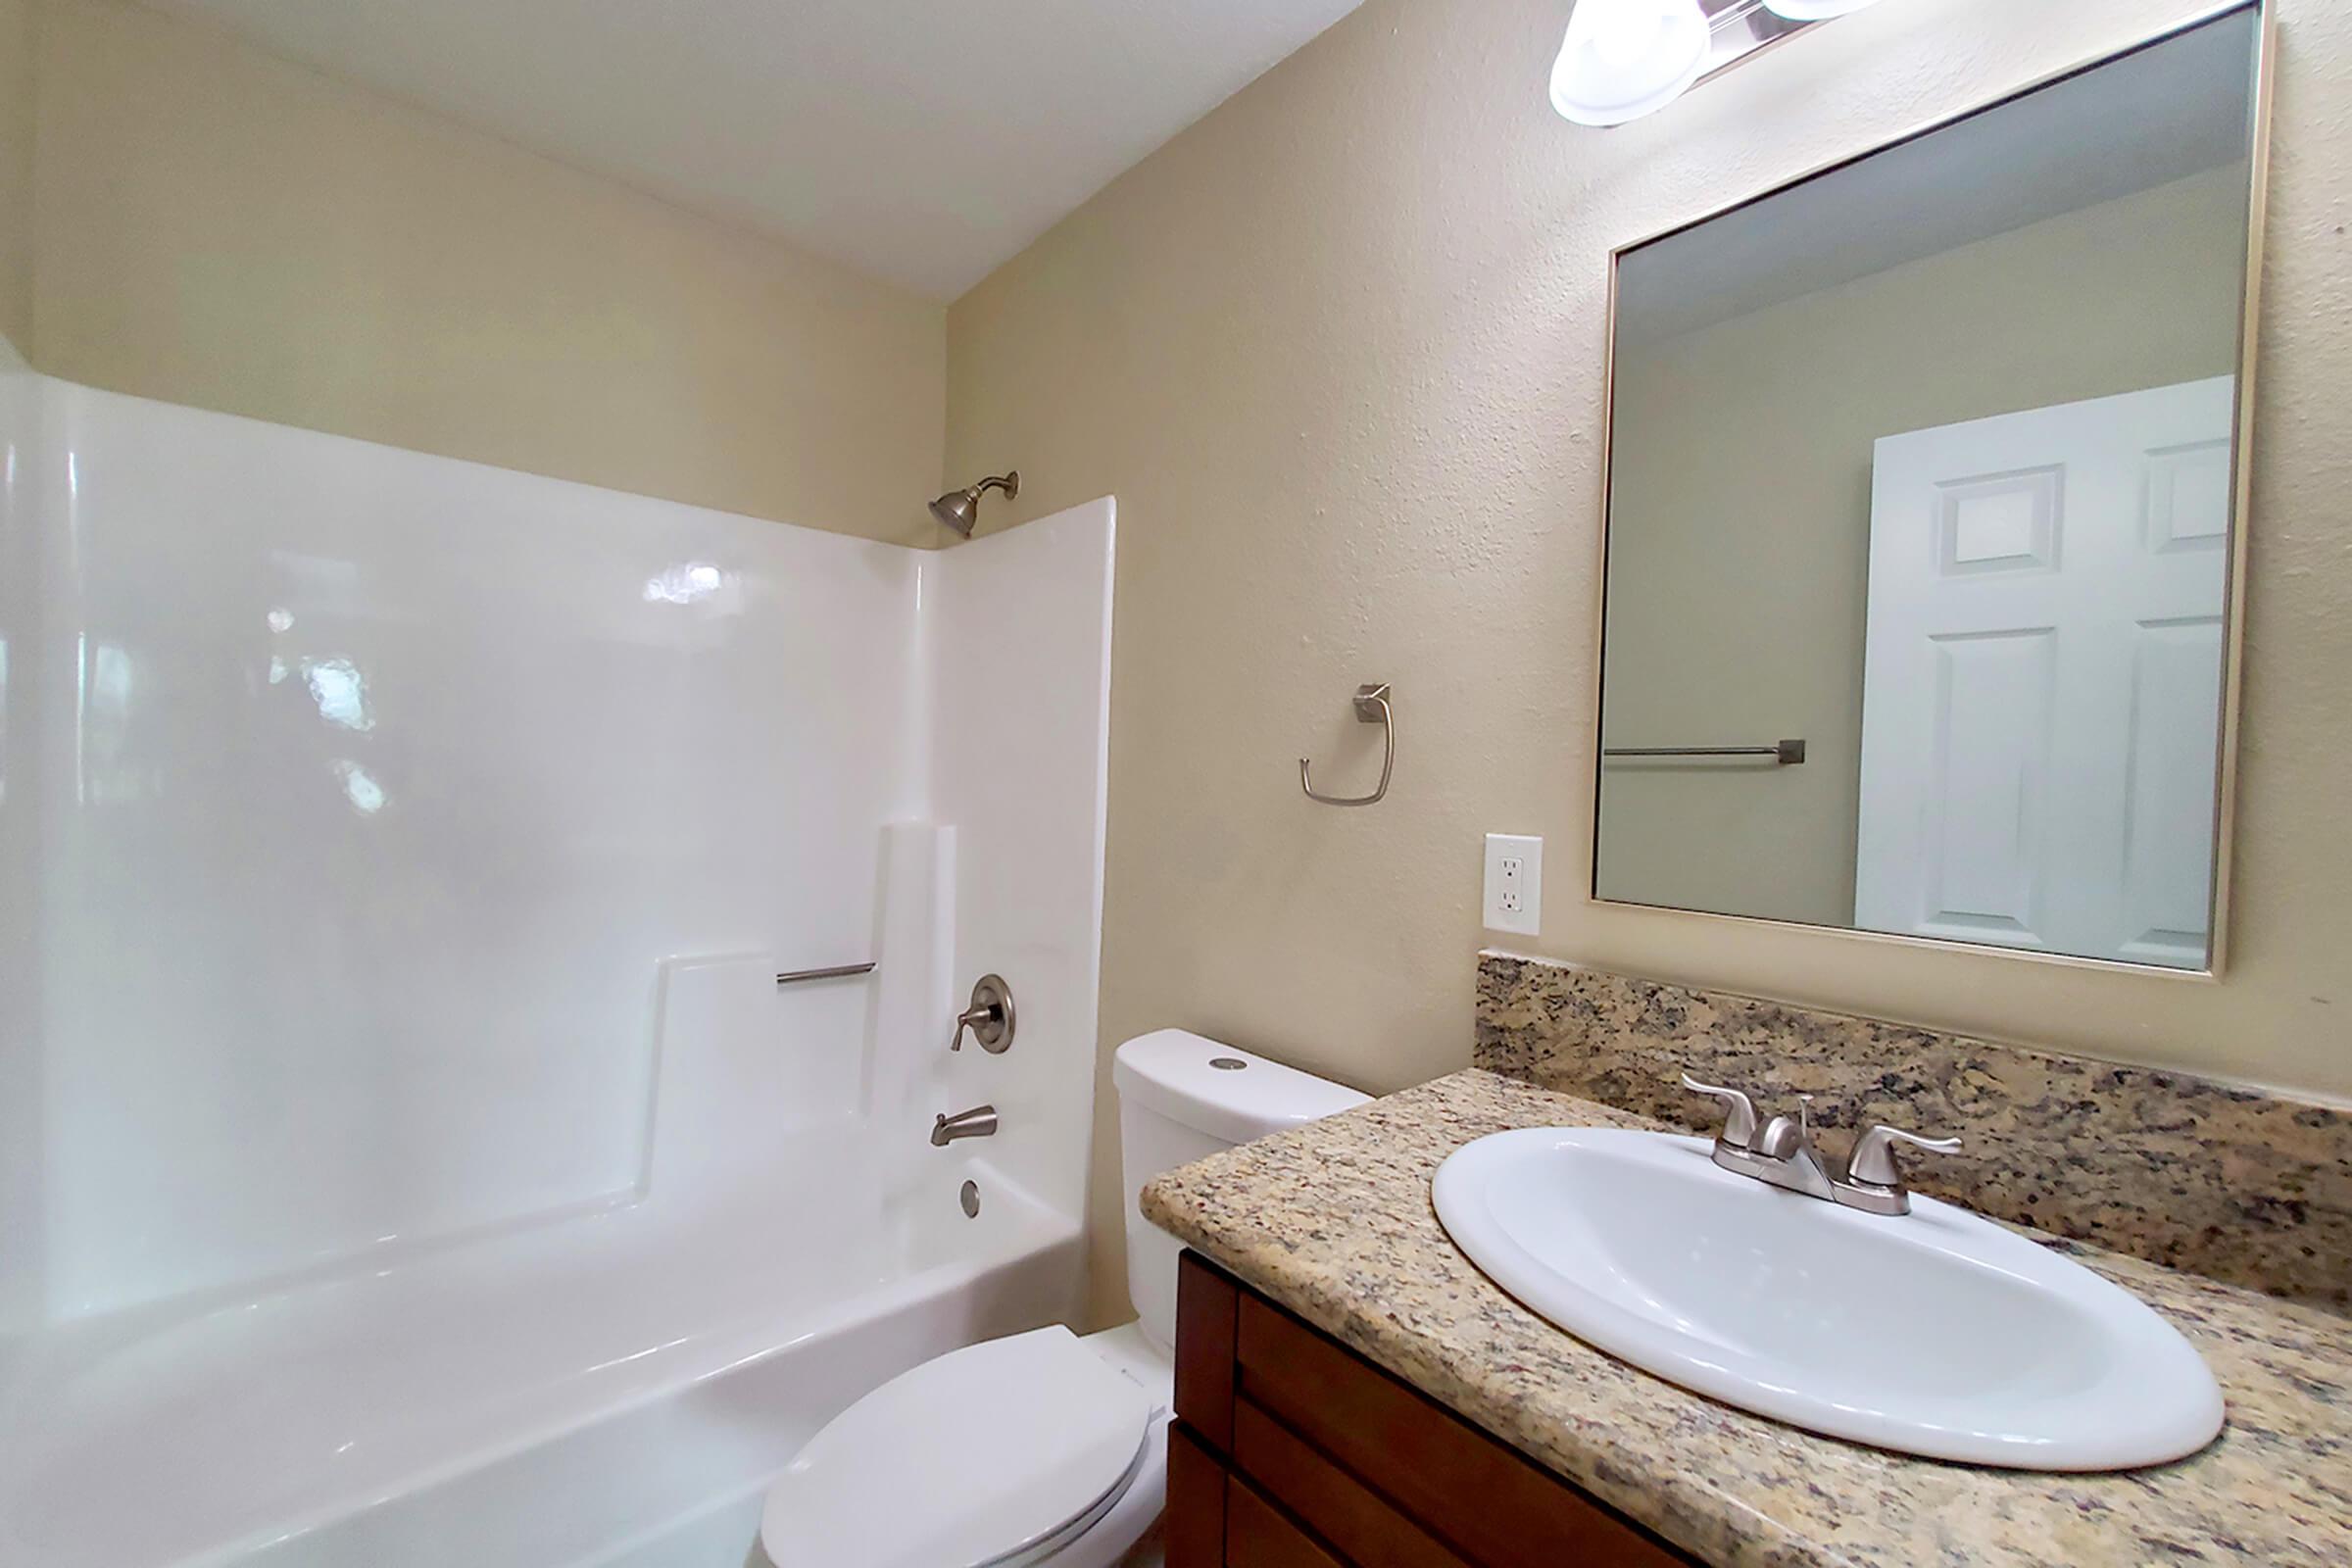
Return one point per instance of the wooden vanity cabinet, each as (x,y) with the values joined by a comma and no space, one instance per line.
(1290,1450)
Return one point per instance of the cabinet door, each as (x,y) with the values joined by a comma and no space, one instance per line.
(1320,1459)
(1259,1534)
(1195,1516)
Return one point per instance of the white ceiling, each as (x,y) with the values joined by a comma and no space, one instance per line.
(922,140)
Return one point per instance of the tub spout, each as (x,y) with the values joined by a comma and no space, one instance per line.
(978,1122)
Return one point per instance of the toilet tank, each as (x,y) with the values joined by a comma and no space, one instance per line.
(1180,1097)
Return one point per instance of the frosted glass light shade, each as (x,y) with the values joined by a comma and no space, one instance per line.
(1623,59)
(1813,10)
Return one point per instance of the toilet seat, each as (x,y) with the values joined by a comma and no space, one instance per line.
(996,1456)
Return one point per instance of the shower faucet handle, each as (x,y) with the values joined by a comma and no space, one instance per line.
(989,1017)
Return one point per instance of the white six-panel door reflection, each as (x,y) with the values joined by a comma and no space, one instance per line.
(2043,677)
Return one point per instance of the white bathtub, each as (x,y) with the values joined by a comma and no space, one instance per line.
(603,1390)
(408,1154)
(600,1389)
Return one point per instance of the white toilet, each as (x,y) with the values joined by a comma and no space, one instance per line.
(1041,1448)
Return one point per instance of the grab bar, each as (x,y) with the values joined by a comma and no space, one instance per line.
(838,971)
(1785,752)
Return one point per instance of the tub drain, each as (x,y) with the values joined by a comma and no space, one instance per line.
(969,1198)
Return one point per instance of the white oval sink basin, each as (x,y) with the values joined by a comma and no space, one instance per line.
(1934,1333)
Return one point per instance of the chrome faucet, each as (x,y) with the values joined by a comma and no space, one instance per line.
(1783,1154)
(978,1122)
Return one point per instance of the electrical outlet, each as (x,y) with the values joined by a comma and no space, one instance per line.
(1514,884)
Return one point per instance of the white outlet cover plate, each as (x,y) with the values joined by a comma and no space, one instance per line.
(1527,920)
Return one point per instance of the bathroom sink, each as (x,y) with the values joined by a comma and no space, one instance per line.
(1934,1333)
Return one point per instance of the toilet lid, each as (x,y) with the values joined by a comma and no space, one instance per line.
(976,1457)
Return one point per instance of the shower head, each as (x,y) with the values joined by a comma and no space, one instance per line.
(960,509)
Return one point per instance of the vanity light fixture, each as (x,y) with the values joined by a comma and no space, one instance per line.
(1623,59)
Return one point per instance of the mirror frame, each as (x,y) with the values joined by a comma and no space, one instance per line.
(2241,497)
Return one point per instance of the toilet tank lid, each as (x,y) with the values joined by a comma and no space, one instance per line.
(1176,1073)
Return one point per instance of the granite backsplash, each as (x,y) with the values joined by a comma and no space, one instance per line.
(2236,1185)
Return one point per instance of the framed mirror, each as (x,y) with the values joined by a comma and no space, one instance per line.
(1925,522)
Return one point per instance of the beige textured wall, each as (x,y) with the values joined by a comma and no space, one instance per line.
(16,173)
(1338,349)
(218,227)
(1742,469)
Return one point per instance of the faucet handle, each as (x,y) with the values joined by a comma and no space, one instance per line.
(1872,1158)
(989,1017)
(1740,1118)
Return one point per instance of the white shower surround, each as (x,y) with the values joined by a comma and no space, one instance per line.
(401,1138)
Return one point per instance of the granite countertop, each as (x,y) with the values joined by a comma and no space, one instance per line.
(1332,1220)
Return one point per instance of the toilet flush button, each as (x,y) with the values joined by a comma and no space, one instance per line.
(1228,1063)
